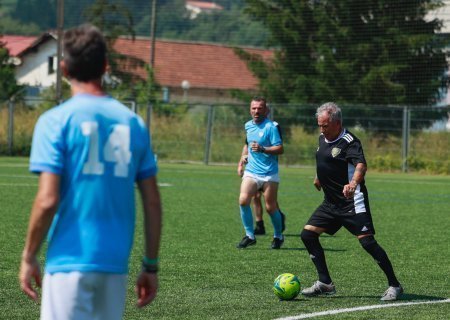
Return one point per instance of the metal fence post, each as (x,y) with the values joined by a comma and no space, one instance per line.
(209,135)
(148,116)
(133,106)
(10,126)
(405,137)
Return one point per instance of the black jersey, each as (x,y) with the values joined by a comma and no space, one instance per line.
(336,161)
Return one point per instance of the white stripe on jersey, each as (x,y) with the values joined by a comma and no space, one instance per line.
(358,198)
(348,137)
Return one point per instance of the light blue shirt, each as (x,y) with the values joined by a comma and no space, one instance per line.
(265,134)
(99,148)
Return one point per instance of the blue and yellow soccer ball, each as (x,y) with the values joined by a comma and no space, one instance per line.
(286,286)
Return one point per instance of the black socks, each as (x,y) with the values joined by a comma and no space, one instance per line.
(315,250)
(373,248)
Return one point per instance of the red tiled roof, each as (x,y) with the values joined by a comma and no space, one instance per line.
(17,44)
(203,65)
(204,5)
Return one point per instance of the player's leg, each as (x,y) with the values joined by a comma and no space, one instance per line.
(319,222)
(258,210)
(283,218)
(109,300)
(270,190)
(361,226)
(248,191)
(67,295)
(380,256)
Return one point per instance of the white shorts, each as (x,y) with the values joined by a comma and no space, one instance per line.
(260,180)
(83,295)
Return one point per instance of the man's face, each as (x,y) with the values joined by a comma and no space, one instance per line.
(258,111)
(330,129)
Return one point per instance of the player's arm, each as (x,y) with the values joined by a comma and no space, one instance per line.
(358,177)
(44,208)
(147,282)
(243,160)
(317,183)
(276,150)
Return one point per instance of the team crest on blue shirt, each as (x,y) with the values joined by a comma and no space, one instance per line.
(261,133)
(335,152)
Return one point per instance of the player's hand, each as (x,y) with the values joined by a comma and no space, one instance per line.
(30,270)
(244,159)
(256,147)
(317,184)
(240,171)
(349,190)
(146,288)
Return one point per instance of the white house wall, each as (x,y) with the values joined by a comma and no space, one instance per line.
(33,70)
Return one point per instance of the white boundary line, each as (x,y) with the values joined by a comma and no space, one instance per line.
(377,306)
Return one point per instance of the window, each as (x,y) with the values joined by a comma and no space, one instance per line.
(52,64)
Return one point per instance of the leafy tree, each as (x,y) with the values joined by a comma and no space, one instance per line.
(39,12)
(350,51)
(114,19)
(231,26)
(8,84)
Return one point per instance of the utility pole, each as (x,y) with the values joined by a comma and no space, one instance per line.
(60,32)
(152,34)
(152,61)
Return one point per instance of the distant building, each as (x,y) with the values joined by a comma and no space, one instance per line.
(34,58)
(192,71)
(207,71)
(197,7)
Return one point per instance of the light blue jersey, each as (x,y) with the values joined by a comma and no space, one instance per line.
(99,148)
(265,134)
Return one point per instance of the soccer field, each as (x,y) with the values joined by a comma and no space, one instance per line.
(203,275)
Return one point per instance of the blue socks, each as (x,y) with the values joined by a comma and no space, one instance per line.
(247,221)
(276,222)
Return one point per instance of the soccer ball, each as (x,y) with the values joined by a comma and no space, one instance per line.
(286,286)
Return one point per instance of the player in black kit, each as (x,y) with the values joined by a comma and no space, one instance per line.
(341,167)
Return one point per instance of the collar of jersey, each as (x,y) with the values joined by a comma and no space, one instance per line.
(340,136)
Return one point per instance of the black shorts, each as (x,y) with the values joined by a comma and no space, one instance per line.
(332,220)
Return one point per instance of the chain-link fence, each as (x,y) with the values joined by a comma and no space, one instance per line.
(394,138)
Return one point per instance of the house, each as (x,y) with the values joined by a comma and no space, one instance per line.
(197,7)
(194,71)
(187,71)
(34,58)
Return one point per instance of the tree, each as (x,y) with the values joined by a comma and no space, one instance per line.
(114,20)
(8,84)
(39,12)
(351,51)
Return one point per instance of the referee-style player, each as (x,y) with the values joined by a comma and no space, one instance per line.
(341,167)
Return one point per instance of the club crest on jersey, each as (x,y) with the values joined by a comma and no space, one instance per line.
(335,152)
(261,133)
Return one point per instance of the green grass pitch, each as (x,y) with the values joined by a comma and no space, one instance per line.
(203,275)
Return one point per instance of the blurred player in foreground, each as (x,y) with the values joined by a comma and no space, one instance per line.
(89,152)
(341,168)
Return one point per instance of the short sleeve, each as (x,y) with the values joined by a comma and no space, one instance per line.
(355,153)
(275,138)
(47,149)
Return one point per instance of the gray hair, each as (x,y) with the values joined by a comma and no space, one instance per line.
(332,109)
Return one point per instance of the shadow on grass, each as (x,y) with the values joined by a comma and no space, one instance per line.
(413,297)
(404,297)
(289,249)
(323,235)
